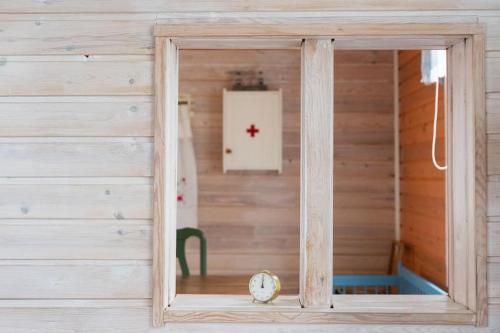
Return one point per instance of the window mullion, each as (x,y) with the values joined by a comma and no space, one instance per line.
(316,217)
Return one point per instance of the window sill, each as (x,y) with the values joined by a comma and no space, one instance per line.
(347,309)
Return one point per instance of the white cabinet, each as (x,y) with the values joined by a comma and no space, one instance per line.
(252,126)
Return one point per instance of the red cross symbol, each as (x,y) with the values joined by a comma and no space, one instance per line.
(252,130)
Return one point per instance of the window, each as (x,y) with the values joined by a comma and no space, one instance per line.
(315,302)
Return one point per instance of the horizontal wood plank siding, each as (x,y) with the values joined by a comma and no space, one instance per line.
(75,239)
(76,76)
(76,157)
(124,279)
(117,6)
(77,37)
(84,241)
(79,201)
(76,116)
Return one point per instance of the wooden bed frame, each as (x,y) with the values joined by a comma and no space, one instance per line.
(404,282)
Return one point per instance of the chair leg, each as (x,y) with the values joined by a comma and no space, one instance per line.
(203,255)
(181,254)
(182,235)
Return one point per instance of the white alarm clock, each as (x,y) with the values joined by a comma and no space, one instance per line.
(264,286)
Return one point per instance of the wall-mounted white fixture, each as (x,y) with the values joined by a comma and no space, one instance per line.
(252,130)
(433,70)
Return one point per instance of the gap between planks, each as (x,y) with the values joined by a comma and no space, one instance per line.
(75,303)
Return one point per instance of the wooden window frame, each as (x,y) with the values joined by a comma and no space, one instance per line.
(466,179)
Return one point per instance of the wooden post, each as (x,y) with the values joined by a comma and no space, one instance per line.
(458,177)
(466,176)
(480,178)
(397,173)
(470,170)
(165,176)
(316,200)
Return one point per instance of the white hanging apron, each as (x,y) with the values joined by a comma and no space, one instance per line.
(187,184)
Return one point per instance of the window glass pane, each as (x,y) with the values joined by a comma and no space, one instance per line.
(368,240)
(250,218)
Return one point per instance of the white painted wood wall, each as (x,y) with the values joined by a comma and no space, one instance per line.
(76,146)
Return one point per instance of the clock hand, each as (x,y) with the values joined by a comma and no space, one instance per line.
(262,285)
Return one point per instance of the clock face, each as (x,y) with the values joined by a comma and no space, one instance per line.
(264,286)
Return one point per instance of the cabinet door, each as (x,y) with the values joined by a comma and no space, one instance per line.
(252,130)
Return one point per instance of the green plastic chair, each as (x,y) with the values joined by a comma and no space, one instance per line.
(182,235)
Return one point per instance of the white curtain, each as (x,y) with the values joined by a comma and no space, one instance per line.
(187,184)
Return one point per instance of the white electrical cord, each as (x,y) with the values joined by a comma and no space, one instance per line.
(436,104)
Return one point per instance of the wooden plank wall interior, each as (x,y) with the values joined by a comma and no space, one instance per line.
(422,185)
(251,219)
(76,245)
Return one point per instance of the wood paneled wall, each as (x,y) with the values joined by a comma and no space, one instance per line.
(422,185)
(75,250)
(363,199)
(251,219)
